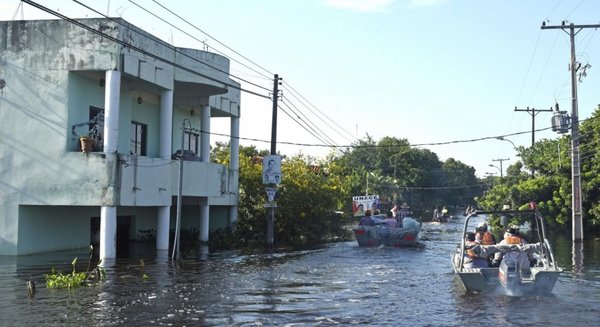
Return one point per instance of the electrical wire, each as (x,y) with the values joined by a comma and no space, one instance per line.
(165,44)
(193,37)
(210,36)
(340,128)
(140,50)
(316,129)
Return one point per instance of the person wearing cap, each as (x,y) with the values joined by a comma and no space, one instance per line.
(404,211)
(482,236)
(367,220)
(511,237)
(472,259)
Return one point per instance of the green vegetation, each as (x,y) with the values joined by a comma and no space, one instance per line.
(550,185)
(74,279)
(314,198)
(313,192)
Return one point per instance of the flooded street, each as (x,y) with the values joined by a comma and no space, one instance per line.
(338,284)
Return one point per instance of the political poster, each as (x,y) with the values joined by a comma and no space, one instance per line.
(362,203)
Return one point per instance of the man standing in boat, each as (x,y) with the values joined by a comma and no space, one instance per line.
(403,213)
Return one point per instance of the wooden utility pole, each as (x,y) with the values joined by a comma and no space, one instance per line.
(575,156)
(533,112)
(271,210)
(501,170)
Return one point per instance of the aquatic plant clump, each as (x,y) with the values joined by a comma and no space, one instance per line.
(74,279)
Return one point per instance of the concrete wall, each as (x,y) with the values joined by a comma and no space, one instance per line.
(53,72)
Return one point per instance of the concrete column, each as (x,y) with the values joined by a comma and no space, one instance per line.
(204,214)
(205,155)
(112,95)
(165,150)
(205,137)
(108,232)
(108,214)
(166,124)
(234,168)
(163,223)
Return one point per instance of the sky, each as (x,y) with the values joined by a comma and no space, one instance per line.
(446,75)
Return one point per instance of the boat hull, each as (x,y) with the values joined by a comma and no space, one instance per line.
(536,280)
(368,236)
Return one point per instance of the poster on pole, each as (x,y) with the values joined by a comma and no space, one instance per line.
(271,193)
(362,203)
(272,169)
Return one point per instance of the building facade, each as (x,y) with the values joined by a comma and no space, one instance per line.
(144,103)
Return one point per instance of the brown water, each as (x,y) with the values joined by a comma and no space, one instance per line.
(335,285)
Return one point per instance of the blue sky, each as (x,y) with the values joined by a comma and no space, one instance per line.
(430,71)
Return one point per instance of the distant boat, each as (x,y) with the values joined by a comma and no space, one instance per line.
(380,234)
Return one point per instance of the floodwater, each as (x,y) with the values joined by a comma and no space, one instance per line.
(335,285)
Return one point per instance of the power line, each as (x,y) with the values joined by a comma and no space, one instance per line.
(140,50)
(316,128)
(328,118)
(170,46)
(193,37)
(210,36)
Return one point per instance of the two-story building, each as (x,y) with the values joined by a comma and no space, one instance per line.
(143,101)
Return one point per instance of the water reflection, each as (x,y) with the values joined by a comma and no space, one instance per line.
(337,284)
(578,257)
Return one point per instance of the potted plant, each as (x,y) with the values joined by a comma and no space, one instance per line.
(92,141)
(87,143)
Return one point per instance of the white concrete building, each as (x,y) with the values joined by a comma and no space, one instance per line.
(59,80)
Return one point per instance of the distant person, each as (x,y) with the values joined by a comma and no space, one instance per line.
(404,211)
(436,214)
(395,211)
(389,220)
(367,220)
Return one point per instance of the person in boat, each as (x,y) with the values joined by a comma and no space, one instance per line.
(403,213)
(367,220)
(482,236)
(472,259)
(395,211)
(511,237)
(436,214)
(389,220)
(444,212)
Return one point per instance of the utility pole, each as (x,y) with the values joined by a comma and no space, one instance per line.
(271,210)
(575,156)
(501,170)
(533,112)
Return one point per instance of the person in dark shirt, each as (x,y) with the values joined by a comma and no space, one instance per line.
(367,220)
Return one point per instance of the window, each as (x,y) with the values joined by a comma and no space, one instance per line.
(190,142)
(96,127)
(139,133)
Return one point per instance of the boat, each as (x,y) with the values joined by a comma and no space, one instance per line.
(381,234)
(442,217)
(524,269)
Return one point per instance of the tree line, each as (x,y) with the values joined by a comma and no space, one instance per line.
(314,198)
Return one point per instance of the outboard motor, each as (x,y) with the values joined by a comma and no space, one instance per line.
(514,272)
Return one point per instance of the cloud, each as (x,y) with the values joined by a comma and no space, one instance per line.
(426,2)
(363,5)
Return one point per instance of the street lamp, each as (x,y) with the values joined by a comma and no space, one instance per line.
(500,169)
(503,139)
